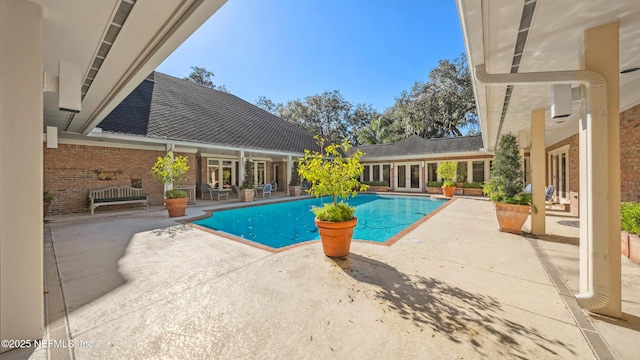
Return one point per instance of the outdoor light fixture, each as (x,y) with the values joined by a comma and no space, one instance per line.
(561,100)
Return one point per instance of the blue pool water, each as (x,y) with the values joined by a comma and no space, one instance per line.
(380,217)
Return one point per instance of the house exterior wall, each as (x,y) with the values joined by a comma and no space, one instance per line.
(630,154)
(573,169)
(423,170)
(71,171)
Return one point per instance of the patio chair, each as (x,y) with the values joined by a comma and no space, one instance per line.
(548,195)
(235,190)
(274,186)
(207,189)
(527,188)
(305,185)
(266,190)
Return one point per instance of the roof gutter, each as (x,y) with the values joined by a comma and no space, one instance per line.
(594,254)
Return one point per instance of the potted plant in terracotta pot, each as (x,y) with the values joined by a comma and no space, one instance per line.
(334,175)
(447,170)
(47,198)
(506,186)
(247,192)
(630,226)
(171,170)
(295,189)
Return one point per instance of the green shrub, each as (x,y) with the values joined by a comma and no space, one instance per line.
(331,173)
(334,212)
(375,183)
(175,194)
(47,197)
(630,217)
(505,184)
(434,184)
(473,185)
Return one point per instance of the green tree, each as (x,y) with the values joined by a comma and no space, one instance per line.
(381,130)
(202,77)
(332,174)
(506,184)
(329,116)
(266,104)
(442,106)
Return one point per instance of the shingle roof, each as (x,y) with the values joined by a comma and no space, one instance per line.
(415,145)
(170,108)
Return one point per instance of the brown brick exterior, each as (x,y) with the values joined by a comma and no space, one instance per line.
(629,159)
(630,154)
(70,171)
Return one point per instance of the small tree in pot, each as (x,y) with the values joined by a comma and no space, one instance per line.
(171,170)
(447,170)
(506,186)
(337,176)
(247,191)
(294,185)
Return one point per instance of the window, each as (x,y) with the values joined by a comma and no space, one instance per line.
(386,174)
(478,171)
(365,173)
(376,173)
(402,176)
(432,173)
(461,173)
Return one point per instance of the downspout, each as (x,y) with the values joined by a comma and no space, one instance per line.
(597,292)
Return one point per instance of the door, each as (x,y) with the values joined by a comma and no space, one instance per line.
(409,177)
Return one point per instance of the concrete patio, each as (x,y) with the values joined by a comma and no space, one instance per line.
(137,284)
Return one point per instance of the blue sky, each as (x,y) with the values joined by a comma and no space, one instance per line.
(289,49)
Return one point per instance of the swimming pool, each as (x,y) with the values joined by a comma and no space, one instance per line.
(380,217)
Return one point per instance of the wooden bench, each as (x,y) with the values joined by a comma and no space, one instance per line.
(117,195)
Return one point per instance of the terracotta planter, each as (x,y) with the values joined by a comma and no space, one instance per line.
(473,191)
(336,236)
(511,217)
(448,190)
(246,194)
(176,207)
(45,208)
(634,248)
(434,190)
(295,190)
(624,243)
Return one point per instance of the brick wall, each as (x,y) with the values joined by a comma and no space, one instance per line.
(630,154)
(70,171)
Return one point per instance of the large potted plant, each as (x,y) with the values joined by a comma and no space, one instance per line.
(506,186)
(294,185)
(247,192)
(171,170)
(47,198)
(447,170)
(334,175)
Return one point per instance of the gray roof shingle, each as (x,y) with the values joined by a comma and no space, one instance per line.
(180,110)
(417,146)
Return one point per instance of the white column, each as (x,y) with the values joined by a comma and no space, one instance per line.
(21,146)
(220,175)
(470,170)
(241,175)
(601,54)
(538,225)
(289,168)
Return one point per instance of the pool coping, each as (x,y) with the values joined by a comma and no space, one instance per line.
(389,242)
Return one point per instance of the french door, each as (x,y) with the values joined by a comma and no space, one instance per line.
(408,177)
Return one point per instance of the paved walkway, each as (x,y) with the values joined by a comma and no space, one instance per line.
(139,285)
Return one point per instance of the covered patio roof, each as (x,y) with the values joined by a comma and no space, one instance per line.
(534,36)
